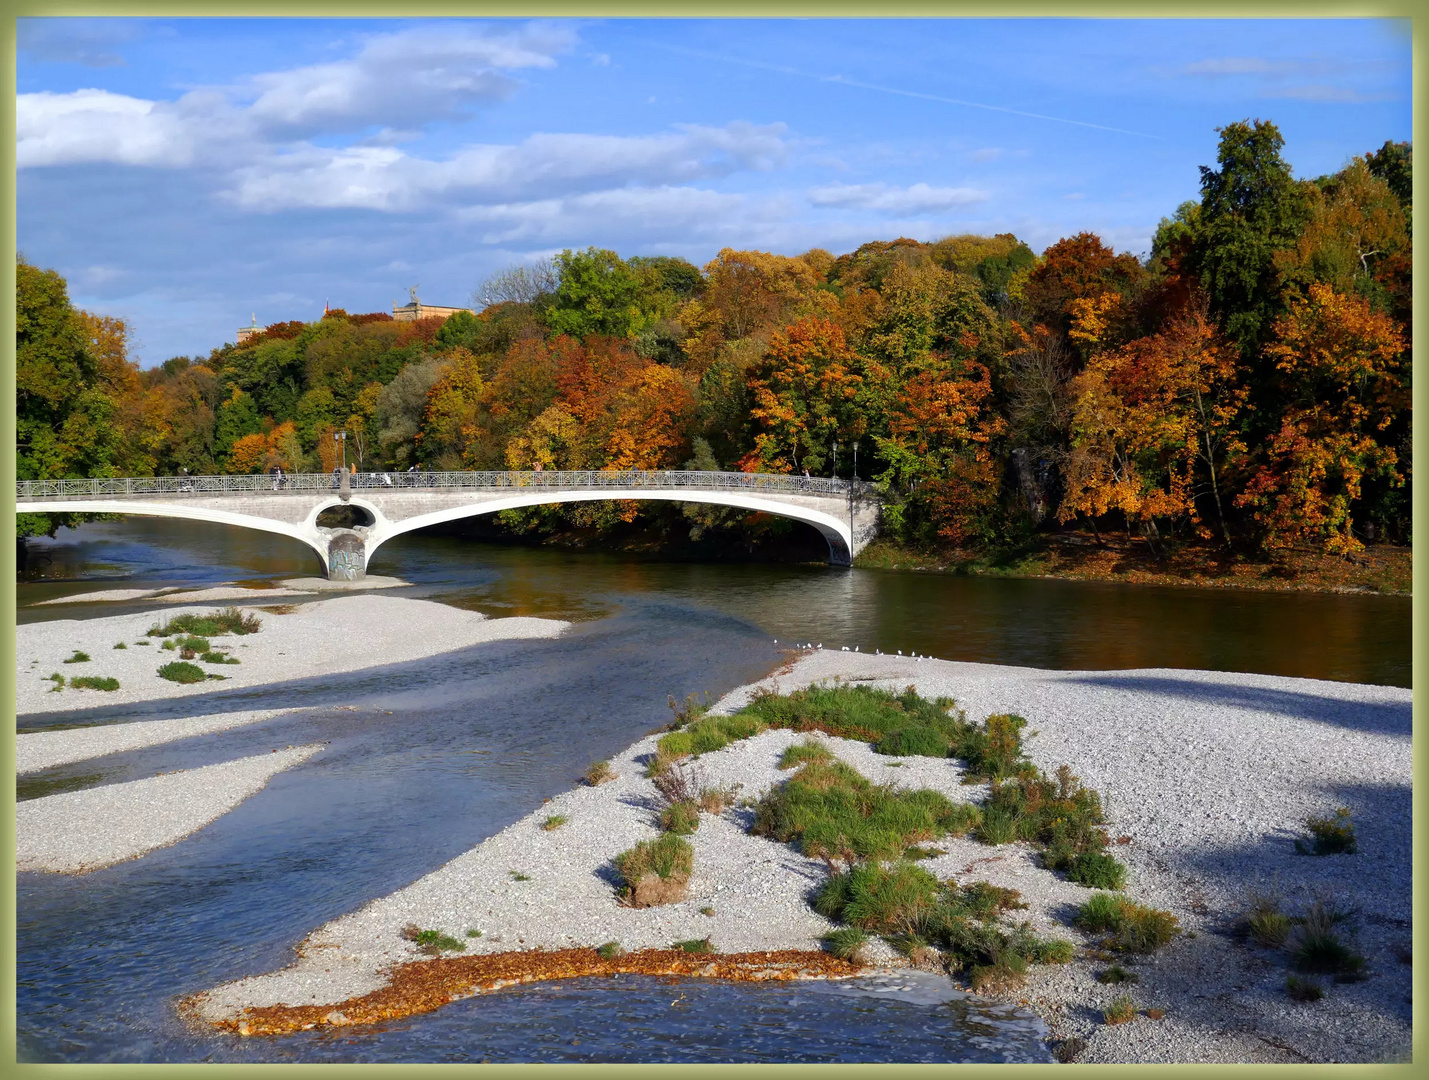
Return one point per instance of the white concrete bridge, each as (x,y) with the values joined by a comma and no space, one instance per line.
(845,512)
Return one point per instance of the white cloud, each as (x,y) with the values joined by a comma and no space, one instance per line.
(918,198)
(416,76)
(385,178)
(629,210)
(96,125)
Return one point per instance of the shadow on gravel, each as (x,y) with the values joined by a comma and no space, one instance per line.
(1374,717)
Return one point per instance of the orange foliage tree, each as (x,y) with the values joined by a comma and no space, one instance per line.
(1153,420)
(1342,365)
(803,392)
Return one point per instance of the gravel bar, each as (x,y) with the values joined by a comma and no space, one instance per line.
(80,831)
(1211,775)
(327,636)
(45,749)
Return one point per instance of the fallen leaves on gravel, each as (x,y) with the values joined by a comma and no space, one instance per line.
(422,986)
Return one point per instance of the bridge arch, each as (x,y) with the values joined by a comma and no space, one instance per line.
(835,532)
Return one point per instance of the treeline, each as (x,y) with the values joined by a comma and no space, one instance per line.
(1247,384)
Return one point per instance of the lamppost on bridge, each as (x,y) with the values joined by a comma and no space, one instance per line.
(834,468)
(340,437)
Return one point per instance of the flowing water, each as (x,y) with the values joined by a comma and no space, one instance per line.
(440,754)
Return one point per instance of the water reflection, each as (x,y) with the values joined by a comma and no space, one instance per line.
(1029,622)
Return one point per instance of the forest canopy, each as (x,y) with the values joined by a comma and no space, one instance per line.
(1245,384)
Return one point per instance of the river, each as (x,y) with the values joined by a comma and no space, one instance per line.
(478,737)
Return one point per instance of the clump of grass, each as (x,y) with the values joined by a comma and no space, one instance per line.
(434,942)
(555,821)
(704,734)
(1060,815)
(57,679)
(907,904)
(800,753)
(707,911)
(181,671)
(655,872)
(610,950)
(1154,1014)
(847,943)
(1117,974)
(1097,870)
(1265,924)
(169,644)
(599,773)
(1131,927)
(1007,972)
(830,811)
(212,657)
(716,800)
(94,682)
(227,620)
(1302,989)
(139,643)
(1316,947)
(1120,1011)
(918,853)
(678,784)
(1330,836)
(77,658)
(681,818)
(517,875)
(120,645)
(695,945)
(194,642)
(473,933)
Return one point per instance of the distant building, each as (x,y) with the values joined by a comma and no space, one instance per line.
(246,332)
(415,309)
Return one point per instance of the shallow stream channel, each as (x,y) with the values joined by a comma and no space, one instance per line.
(424,760)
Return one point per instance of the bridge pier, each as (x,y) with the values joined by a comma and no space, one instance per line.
(346,555)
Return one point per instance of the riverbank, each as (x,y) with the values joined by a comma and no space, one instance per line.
(1382,569)
(333,634)
(1211,776)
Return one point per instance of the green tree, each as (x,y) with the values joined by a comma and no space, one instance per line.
(598,294)
(1250,207)
(236,417)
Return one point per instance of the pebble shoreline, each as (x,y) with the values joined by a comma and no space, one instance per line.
(313,639)
(1211,775)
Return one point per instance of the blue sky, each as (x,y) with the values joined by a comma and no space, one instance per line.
(186,173)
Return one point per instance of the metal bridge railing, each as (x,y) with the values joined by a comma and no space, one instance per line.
(584,479)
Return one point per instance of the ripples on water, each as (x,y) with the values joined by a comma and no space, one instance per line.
(442,753)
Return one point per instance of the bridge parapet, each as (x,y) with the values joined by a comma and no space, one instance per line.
(311,483)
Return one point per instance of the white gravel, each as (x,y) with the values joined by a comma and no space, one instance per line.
(1210,774)
(227,592)
(45,749)
(328,636)
(80,831)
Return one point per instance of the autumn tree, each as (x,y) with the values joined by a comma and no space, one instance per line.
(1154,425)
(802,396)
(1343,370)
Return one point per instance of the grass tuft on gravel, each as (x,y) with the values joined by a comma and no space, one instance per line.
(1131,927)
(1120,1011)
(599,773)
(181,671)
(1328,836)
(94,682)
(77,658)
(695,945)
(917,914)
(227,620)
(212,657)
(847,943)
(830,811)
(120,645)
(655,872)
(681,818)
(1302,989)
(1316,947)
(610,950)
(554,822)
